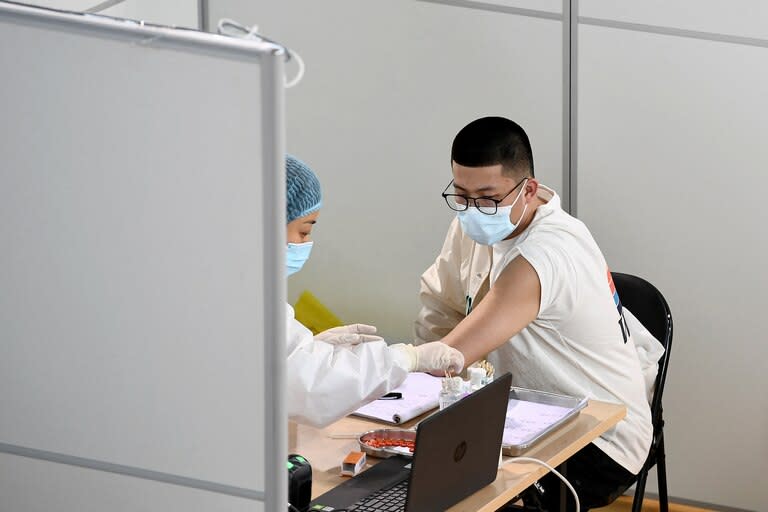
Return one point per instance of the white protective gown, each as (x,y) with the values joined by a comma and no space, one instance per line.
(327,382)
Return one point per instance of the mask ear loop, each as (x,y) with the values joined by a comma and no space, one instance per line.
(521,215)
(522,189)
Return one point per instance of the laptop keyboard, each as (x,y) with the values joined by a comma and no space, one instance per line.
(386,500)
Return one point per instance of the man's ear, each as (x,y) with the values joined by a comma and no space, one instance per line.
(531,188)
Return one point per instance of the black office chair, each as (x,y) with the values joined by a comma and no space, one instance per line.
(650,308)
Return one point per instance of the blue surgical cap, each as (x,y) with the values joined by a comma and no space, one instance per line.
(302,188)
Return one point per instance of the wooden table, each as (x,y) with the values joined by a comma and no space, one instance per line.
(325,453)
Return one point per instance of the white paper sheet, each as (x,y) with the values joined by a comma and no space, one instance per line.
(526,420)
(420,394)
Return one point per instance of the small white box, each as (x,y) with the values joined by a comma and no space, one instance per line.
(353,463)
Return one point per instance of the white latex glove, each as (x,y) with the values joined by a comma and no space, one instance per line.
(430,357)
(349,335)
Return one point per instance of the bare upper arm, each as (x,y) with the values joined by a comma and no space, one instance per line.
(511,304)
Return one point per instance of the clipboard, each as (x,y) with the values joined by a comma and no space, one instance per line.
(420,393)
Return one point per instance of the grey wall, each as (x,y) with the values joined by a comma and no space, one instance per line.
(671,181)
(182,13)
(670,175)
(387,86)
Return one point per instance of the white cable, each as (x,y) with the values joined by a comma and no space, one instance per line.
(226,22)
(299,74)
(253,33)
(553,471)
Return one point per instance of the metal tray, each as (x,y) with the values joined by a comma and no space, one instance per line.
(386,434)
(575,405)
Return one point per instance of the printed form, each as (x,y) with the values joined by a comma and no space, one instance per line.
(420,394)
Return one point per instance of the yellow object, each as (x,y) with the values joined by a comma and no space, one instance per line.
(313,313)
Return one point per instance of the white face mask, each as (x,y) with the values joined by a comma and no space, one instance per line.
(295,256)
(490,229)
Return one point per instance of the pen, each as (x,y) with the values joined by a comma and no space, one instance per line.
(392,396)
(345,435)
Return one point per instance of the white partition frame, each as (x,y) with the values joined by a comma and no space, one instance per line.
(256,275)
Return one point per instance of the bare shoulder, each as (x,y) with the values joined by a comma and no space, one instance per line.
(519,279)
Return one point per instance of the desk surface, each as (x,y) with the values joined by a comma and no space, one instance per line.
(325,453)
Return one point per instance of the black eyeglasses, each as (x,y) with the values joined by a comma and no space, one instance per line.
(486,205)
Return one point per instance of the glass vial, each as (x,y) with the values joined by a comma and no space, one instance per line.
(452,391)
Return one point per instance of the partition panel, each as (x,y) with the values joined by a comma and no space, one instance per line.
(142,270)
(30,485)
(671,181)
(745,18)
(375,116)
(533,6)
(180,13)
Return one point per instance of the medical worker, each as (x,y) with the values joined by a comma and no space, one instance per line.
(332,374)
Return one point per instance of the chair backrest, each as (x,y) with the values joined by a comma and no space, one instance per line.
(651,309)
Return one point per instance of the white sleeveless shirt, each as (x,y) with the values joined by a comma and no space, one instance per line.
(579,344)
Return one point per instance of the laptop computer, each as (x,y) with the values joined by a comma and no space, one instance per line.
(457,453)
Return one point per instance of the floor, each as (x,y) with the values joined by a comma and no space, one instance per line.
(624,504)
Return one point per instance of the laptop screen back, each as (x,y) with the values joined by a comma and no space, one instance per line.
(457,449)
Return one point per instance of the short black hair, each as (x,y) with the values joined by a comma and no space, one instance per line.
(494,140)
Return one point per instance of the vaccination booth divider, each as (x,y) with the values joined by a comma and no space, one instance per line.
(646,116)
(142,281)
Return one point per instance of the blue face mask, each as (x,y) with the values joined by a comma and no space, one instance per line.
(296,255)
(489,229)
